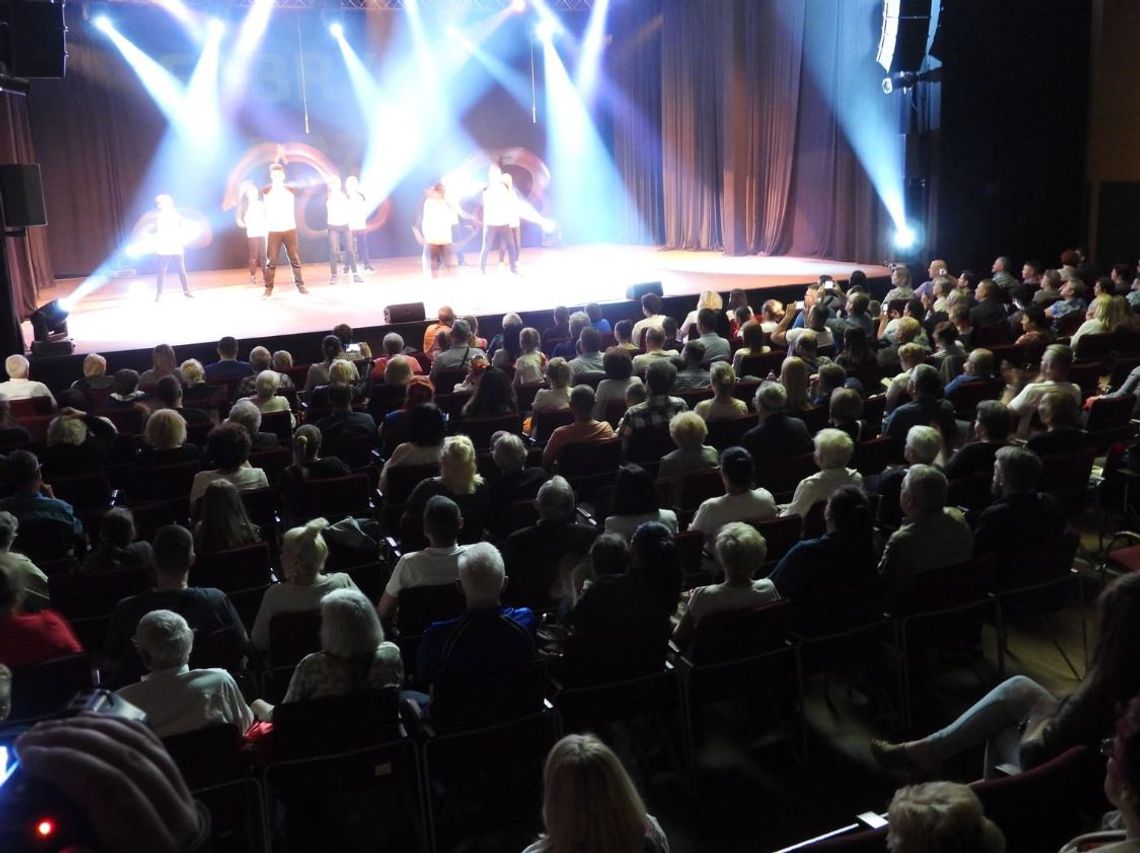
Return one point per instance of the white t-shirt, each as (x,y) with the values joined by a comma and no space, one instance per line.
(528,368)
(656,321)
(496,205)
(819,487)
(1024,405)
(429,567)
(722,598)
(625,525)
(24,389)
(715,513)
(439,216)
(357,211)
(338,209)
(280,210)
(294,598)
(168,233)
(822,338)
(246,479)
(185,700)
(255,219)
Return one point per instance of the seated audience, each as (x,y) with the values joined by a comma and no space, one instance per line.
(623,334)
(597,320)
(345,431)
(589,358)
(433,343)
(395,425)
(223,523)
(458,479)
(845,413)
(716,347)
(393,346)
(635,501)
(933,535)
(516,481)
(28,638)
(740,551)
(204,608)
(168,395)
(568,348)
(777,435)
(1055,366)
(1021,519)
(95,378)
(654,351)
(829,378)
(949,354)
(990,310)
(505,347)
(555,397)
(342,374)
(658,408)
(19,386)
(308,463)
(723,404)
(619,376)
(590,803)
(927,406)
(771,313)
(857,353)
(586,428)
(228,447)
(691,375)
(260,359)
(908,331)
(923,446)
(354,657)
(833,449)
(1071,301)
(175,698)
(1024,725)
(910,356)
(1063,435)
(752,336)
(740,502)
(560,331)
(427,429)
(652,318)
(487,641)
(900,284)
(163,362)
(992,425)
(844,557)
(688,431)
(1035,328)
(979,367)
(195,389)
(164,442)
(816,325)
(31,499)
(687,328)
(26,573)
(125,392)
(946,814)
(77,444)
(494,396)
(118,548)
(435,565)
(304,583)
(459,351)
(227,366)
(266,397)
(333,351)
(246,415)
(12,434)
(529,362)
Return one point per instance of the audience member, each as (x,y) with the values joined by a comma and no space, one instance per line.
(246,415)
(228,447)
(118,548)
(777,435)
(222,520)
(459,480)
(619,376)
(990,310)
(458,353)
(691,375)
(304,583)
(635,501)
(585,428)
(623,334)
(77,444)
(560,331)
(829,378)
(910,356)
(658,408)
(942,816)
(204,608)
(427,428)
(833,449)
(723,404)
(163,362)
(168,395)
(1063,435)
(125,392)
(845,413)
(857,353)
(435,565)
(261,359)
(164,441)
(1054,377)
(927,406)
(589,358)
(1021,519)
(433,343)
(654,351)
(175,698)
(599,322)
(1072,301)
(652,317)
(516,482)
(556,396)
(95,377)
(979,367)
(31,499)
(933,536)
(752,336)
(568,348)
(24,572)
(740,551)
(195,389)
(740,502)
(29,638)
(992,425)
(923,446)
(308,463)
(900,284)
(908,331)
(19,386)
(12,434)
(552,546)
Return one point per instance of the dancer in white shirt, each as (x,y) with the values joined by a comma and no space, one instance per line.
(358,220)
(281,228)
(435,230)
(251,217)
(497,219)
(169,244)
(514,216)
(340,234)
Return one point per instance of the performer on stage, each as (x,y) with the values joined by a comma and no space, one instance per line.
(436,221)
(251,217)
(358,220)
(340,235)
(514,219)
(496,219)
(169,244)
(281,228)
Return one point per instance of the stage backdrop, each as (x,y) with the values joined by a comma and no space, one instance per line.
(107,148)
(756,100)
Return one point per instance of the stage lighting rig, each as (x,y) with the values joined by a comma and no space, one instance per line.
(336,30)
(904,80)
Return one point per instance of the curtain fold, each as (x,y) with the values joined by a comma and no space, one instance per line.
(28,258)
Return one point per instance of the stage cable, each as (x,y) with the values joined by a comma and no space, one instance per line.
(304,83)
(533,90)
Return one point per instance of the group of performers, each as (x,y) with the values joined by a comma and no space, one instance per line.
(269,218)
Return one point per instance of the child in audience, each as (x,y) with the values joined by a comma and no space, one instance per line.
(530,362)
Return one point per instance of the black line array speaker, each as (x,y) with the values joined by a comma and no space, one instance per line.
(636,291)
(35,41)
(22,194)
(407,312)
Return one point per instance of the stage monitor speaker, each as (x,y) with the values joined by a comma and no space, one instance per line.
(636,291)
(407,312)
(36,43)
(22,195)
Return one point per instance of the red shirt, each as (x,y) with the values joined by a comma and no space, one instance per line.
(31,638)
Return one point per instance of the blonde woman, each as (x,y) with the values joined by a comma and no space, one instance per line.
(707,299)
(556,396)
(945,816)
(458,479)
(195,389)
(688,431)
(723,404)
(794,378)
(1099,320)
(164,441)
(530,362)
(590,803)
(266,398)
(304,584)
(833,450)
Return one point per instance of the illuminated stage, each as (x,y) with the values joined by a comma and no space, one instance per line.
(122,315)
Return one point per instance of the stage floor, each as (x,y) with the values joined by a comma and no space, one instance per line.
(122,314)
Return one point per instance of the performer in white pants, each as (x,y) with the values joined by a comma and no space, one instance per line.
(358,220)
(340,235)
(439,217)
(251,217)
(169,244)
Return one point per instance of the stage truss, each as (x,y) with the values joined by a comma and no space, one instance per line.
(383,5)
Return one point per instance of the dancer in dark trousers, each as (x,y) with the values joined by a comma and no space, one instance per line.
(281,228)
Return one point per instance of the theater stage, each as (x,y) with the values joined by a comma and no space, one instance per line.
(122,314)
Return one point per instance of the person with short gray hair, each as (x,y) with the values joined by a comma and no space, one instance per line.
(933,535)
(459,353)
(26,573)
(923,444)
(777,435)
(1021,514)
(18,386)
(247,414)
(585,428)
(178,699)
(517,482)
(833,450)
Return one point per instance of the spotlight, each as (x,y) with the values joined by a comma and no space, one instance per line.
(49,328)
(217,26)
(906,236)
(102,22)
(452,31)
(336,30)
(908,79)
(518,6)
(545,30)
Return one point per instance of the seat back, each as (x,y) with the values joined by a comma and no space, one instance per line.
(419,606)
(218,649)
(648,444)
(738,634)
(729,432)
(480,430)
(1087,375)
(601,657)
(46,687)
(332,498)
(335,724)
(160,482)
(30,406)
(966,396)
(272,462)
(614,411)
(781,476)
(152,515)
(763,364)
(403,479)
(294,635)
(43,539)
(585,458)
(545,423)
(1067,478)
(126,421)
(209,756)
(525,394)
(466,704)
(1094,347)
(699,486)
(1110,414)
(781,534)
(89,491)
(95,593)
(260,505)
(237,568)
(871,457)
(446,380)
(278,423)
